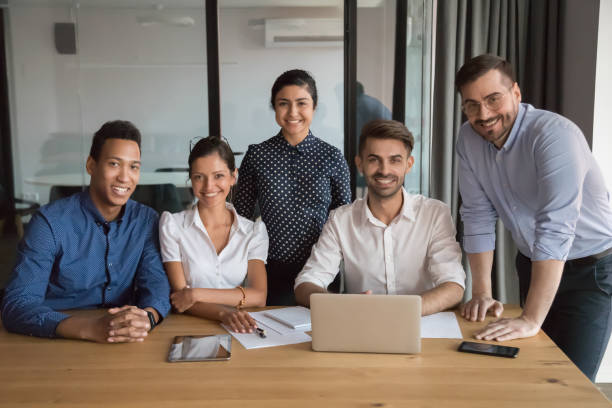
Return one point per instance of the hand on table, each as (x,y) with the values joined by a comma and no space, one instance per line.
(183,299)
(508,329)
(476,309)
(239,321)
(367,292)
(125,324)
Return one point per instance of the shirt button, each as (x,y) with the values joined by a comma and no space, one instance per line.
(108,289)
(110,264)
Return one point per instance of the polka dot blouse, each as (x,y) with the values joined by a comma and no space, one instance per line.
(296,187)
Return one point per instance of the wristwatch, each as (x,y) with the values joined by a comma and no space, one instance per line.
(151,319)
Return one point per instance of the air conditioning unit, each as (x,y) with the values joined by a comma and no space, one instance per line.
(304,32)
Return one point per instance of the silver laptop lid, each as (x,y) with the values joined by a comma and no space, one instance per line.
(366,323)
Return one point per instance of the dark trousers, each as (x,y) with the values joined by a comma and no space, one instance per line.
(579,320)
(281,277)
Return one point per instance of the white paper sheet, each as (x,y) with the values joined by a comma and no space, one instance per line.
(273,337)
(443,325)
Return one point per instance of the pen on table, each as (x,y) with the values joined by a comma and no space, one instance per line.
(260,332)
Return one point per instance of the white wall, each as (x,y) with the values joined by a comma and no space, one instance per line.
(602,128)
(602,125)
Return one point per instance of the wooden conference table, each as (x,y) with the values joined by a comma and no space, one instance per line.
(67,373)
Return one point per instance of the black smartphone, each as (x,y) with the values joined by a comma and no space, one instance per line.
(488,349)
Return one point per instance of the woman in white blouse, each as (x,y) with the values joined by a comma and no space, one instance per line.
(209,250)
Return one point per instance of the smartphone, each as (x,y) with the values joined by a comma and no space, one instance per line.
(488,349)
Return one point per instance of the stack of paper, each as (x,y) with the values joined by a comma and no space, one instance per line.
(277,333)
(296,317)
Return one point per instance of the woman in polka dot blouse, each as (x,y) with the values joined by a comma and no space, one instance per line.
(296,178)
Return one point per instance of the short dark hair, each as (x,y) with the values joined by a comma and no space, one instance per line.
(386,129)
(480,65)
(297,77)
(210,145)
(115,129)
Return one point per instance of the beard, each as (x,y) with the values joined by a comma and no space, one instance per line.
(496,135)
(383,193)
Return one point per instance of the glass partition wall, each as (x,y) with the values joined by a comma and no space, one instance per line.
(378,68)
(73,65)
(257,43)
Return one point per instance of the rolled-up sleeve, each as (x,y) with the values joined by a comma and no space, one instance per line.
(477,212)
(561,167)
(322,265)
(152,287)
(22,307)
(443,251)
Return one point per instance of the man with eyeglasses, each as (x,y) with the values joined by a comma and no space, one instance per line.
(534,169)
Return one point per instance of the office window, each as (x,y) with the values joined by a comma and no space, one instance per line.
(418,90)
(376,63)
(257,44)
(73,67)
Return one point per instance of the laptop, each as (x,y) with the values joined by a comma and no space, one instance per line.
(366,323)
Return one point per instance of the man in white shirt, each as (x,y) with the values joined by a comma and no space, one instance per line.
(392,242)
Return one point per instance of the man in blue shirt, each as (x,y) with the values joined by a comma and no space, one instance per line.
(93,249)
(534,169)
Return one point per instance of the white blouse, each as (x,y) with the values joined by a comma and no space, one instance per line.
(183,238)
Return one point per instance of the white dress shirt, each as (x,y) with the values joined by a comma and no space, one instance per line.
(416,252)
(183,238)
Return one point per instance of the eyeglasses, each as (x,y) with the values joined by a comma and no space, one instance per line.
(196,139)
(492,102)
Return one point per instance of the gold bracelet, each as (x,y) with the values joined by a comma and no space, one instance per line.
(242,302)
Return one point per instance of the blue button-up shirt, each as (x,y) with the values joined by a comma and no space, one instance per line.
(296,187)
(72,258)
(544,184)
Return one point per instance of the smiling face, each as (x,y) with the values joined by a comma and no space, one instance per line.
(384,163)
(294,110)
(114,175)
(211,180)
(492,125)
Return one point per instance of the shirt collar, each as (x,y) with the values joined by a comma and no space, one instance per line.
(407,210)
(515,129)
(306,144)
(193,217)
(90,207)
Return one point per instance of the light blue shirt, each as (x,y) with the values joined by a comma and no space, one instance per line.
(544,183)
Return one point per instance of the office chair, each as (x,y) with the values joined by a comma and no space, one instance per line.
(160,197)
(58,192)
(185,193)
(11,212)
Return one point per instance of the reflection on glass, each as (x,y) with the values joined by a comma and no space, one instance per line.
(418,89)
(128,61)
(375,73)
(200,348)
(375,65)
